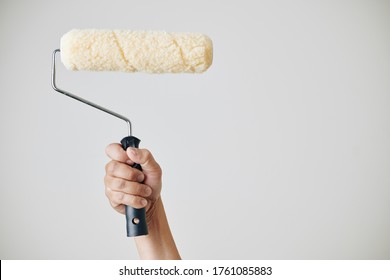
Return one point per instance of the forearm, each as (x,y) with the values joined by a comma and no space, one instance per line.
(159,243)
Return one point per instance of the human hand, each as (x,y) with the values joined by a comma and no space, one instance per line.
(125,185)
(129,186)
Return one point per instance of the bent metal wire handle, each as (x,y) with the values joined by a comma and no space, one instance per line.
(54,86)
(135,218)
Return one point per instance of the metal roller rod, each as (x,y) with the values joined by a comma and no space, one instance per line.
(54,86)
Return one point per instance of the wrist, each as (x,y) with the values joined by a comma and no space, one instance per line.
(159,243)
(152,214)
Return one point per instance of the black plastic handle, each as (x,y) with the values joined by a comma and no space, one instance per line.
(135,218)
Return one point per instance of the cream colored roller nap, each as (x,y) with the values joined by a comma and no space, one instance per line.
(136,51)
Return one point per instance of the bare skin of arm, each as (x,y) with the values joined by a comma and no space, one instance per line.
(125,185)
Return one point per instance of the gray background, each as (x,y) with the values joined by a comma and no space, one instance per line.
(280,151)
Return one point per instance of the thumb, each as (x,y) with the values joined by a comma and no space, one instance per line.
(145,158)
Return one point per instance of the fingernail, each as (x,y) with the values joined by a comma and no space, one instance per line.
(140,178)
(144,202)
(148,191)
(129,162)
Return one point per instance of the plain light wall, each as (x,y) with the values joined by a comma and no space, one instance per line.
(280,151)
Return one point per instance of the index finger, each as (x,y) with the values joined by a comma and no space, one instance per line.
(116,152)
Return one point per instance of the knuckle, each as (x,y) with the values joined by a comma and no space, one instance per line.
(135,201)
(111,166)
(133,174)
(114,183)
(114,205)
(118,197)
(108,192)
(118,183)
(106,180)
(107,167)
(119,208)
(140,189)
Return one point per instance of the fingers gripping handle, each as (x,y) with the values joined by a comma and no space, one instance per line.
(135,218)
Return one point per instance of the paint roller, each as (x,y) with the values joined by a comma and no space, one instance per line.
(131,51)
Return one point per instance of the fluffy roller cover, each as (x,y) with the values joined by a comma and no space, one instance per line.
(136,51)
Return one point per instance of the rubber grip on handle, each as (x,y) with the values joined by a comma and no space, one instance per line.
(135,218)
